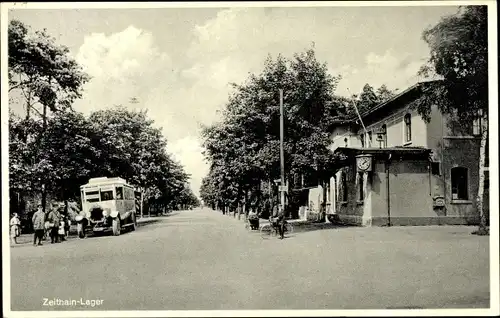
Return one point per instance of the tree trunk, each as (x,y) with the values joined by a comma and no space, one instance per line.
(142,201)
(480,192)
(245,205)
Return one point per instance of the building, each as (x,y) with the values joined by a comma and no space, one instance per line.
(403,170)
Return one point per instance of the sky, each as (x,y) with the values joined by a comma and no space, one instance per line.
(178,62)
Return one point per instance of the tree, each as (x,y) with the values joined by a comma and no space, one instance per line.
(130,147)
(244,148)
(70,149)
(459,56)
(384,94)
(42,71)
(74,148)
(367,99)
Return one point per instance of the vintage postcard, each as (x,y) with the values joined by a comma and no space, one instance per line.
(249,158)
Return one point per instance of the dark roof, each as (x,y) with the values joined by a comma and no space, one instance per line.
(390,150)
(354,117)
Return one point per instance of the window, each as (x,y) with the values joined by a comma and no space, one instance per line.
(342,193)
(436,168)
(361,192)
(459,183)
(407,127)
(92,196)
(128,194)
(476,124)
(383,140)
(119,193)
(106,195)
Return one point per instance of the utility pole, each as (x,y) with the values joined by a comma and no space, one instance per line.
(282,152)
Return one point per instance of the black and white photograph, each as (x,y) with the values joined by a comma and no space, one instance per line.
(249,158)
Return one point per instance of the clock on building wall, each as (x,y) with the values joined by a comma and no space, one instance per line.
(364,163)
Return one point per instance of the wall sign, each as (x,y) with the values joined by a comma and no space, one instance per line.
(438,202)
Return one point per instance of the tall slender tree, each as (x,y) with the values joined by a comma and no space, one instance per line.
(459,56)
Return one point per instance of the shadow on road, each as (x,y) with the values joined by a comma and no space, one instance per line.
(310,227)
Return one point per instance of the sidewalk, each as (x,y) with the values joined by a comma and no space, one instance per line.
(298,224)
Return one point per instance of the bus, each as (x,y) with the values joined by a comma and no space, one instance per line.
(108,205)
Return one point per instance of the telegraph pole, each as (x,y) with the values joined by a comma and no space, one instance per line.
(282,152)
(134,100)
(361,121)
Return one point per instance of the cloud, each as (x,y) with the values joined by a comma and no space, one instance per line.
(122,65)
(396,72)
(237,41)
(129,64)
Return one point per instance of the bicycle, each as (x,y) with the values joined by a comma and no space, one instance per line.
(268,230)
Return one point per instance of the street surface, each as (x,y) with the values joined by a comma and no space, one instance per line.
(203,260)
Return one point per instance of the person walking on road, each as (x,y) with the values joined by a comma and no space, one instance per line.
(277,219)
(55,220)
(15,228)
(38,225)
(61,231)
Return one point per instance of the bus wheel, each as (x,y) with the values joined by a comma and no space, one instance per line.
(117,227)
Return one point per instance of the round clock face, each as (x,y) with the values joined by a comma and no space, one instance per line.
(364,163)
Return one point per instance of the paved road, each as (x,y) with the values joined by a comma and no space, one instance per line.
(203,260)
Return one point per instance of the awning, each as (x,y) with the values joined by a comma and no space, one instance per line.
(420,153)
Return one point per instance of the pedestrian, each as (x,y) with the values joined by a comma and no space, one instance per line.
(61,231)
(67,225)
(15,229)
(54,220)
(253,219)
(38,225)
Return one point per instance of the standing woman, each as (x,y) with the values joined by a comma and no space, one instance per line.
(15,230)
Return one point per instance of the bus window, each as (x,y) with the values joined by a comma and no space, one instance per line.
(92,196)
(106,195)
(128,195)
(119,193)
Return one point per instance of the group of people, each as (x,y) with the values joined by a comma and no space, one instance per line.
(277,219)
(54,223)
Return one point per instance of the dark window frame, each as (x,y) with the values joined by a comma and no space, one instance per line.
(459,183)
(120,193)
(343,184)
(407,128)
(105,193)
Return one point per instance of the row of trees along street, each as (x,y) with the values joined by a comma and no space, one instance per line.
(54,149)
(243,148)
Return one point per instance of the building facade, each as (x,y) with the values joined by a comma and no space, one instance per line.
(434,179)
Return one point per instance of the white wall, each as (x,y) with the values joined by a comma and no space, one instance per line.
(395,130)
